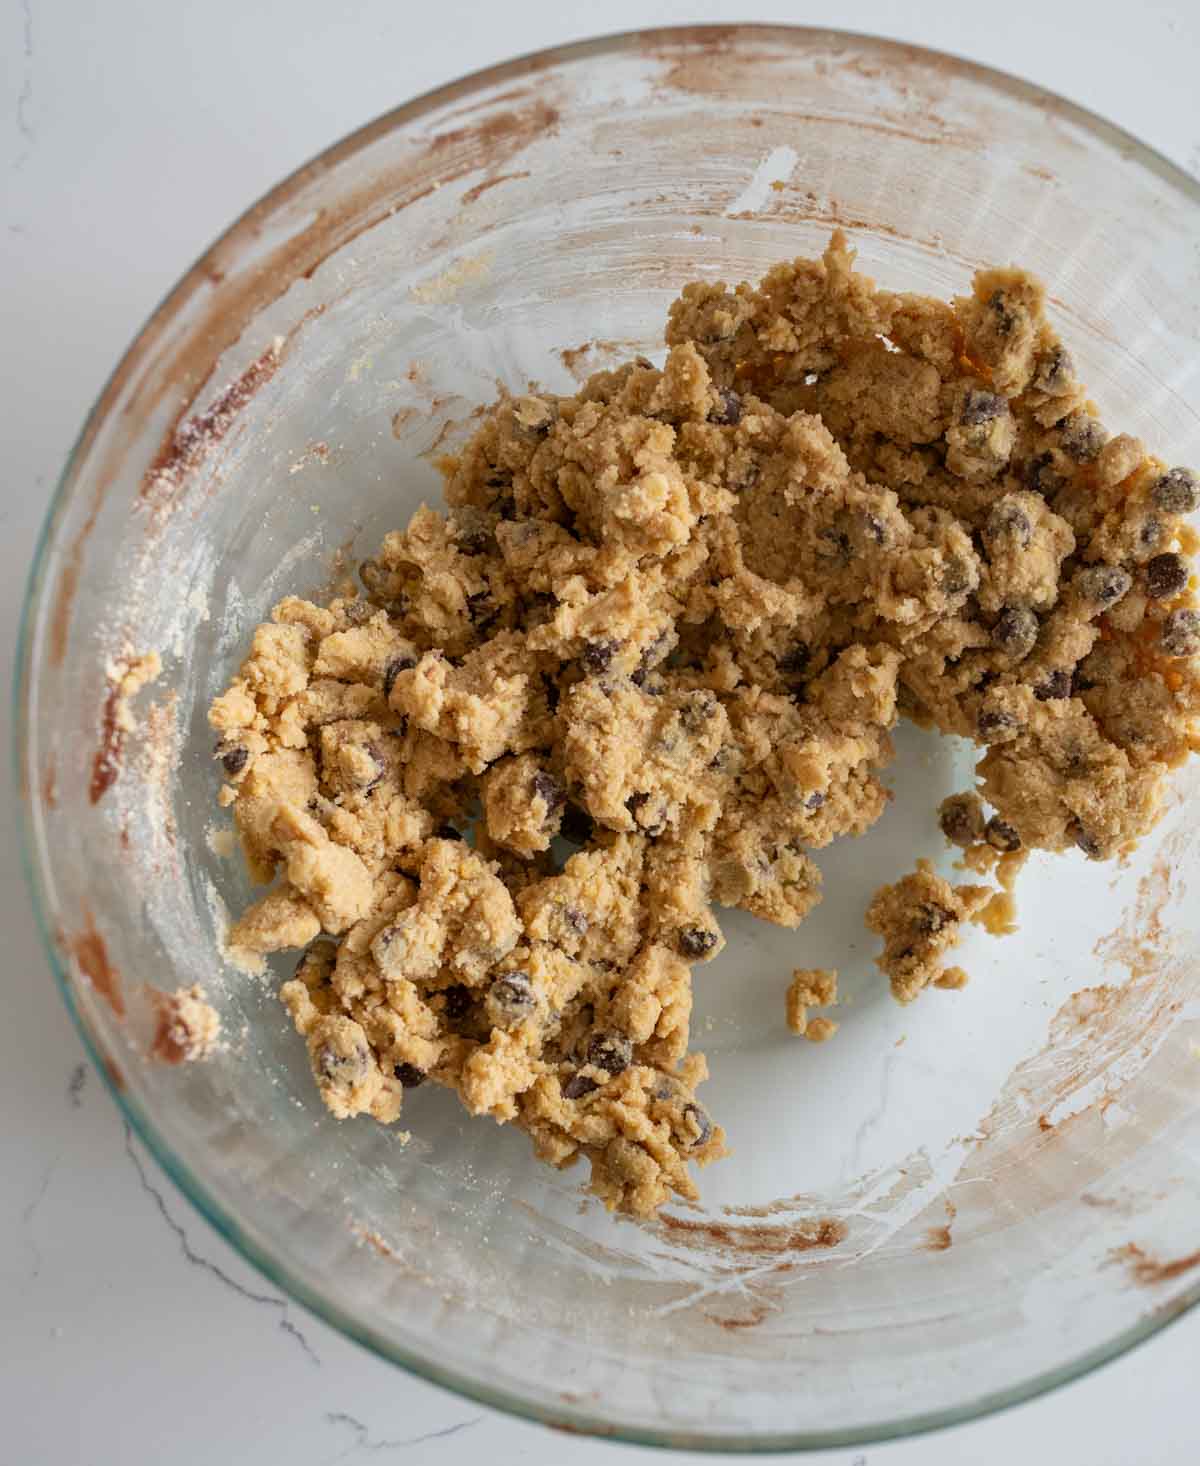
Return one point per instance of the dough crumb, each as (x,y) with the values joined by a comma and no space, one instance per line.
(811,987)
(189,1027)
(920,918)
(128,674)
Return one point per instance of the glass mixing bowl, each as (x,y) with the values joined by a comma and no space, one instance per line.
(949,1208)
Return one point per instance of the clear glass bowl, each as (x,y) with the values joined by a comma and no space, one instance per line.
(949,1208)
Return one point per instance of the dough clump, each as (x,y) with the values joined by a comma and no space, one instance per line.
(645,663)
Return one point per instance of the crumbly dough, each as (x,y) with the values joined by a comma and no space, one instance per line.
(919,919)
(189,1027)
(811,987)
(646,662)
(127,676)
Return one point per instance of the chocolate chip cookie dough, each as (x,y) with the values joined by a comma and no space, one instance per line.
(646,662)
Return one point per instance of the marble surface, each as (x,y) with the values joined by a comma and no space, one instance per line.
(130,134)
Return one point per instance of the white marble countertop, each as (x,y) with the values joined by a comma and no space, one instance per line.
(132,132)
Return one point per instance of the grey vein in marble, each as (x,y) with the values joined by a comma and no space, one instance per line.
(873,1119)
(30,1211)
(192,1256)
(25,98)
(364,1442)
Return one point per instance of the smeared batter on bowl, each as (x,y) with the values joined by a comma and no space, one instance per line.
(665,626)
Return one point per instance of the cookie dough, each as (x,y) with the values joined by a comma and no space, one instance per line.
(189,1027)
(645,663)
(811,987)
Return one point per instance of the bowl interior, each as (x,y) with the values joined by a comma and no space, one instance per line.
(952,1205)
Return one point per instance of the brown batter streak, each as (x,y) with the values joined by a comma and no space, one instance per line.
(1147,1270)
(759,1314)
(761,1241)
(91,957)
(106,762)
(185,447)
(50,783)
(473,194)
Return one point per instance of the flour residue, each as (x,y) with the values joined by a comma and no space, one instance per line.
(443,288)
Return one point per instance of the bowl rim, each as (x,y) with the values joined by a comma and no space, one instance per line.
(137,1121)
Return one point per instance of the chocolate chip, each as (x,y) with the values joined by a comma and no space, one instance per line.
(534,418)
(409,1075)
(458,1002)
(1003,317)
(373,780)
(815,800)
(511,997)
(547,788)
(650,658)
(1177,492)
(961,820)
(875,528)
(1086,842)
(980,407)
(833,544)
(1103,585)
(358,613)
(1041,476)
(702,1123)
(342,1067)
(578,1085)
(233,760)
(1150,534)
(793,663)
(747,477)
(576,920)
(481,609)
(1074,760)
(1001,836)
(1082,436)
(612,1052)
(597,655)
(1015,631)
(1055,372)
(393,669)
(1009,522)
(1181,633)
(634,804)
(577,825)
(696,941)
(728,412)
(1166,575)
(994,721)
(699,708)
(956,576)
(1056,685)
(932,918)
